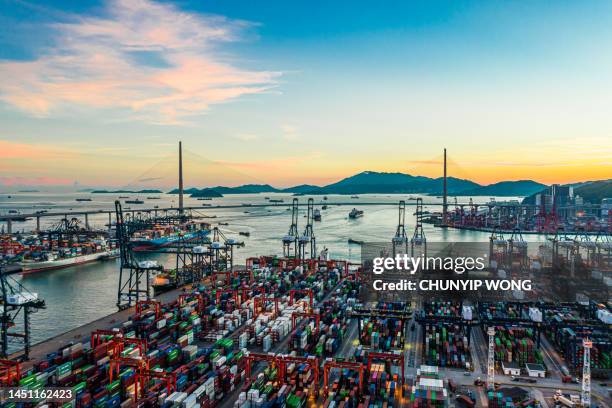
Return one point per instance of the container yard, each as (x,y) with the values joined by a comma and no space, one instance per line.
(292,330)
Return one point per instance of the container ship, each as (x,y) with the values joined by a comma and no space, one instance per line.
(161,235)
(355,213)
(36,260)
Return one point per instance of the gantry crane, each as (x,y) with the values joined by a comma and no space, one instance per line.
(400,239)
(16,300)
(418,237)
(252,357)
(397,359)
(316,316)
(131,272)
(143,306)
(262,300)
(10,373)
(143,377)
(304,292)
(291,239)
(308,236)
(222,250)
(331,364)
(311,361)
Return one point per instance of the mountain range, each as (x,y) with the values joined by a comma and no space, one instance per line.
(370,182)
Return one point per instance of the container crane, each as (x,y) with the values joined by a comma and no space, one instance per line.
(16,300)
(308,236)
(400,239)
(291,239)
(418,237)
(131,272)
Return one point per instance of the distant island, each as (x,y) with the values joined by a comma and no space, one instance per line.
(518,188)
(126,191)
(371,182)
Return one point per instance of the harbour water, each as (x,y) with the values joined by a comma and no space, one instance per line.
(80,294)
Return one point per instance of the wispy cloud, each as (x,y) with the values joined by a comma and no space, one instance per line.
(246,137)
(160,64)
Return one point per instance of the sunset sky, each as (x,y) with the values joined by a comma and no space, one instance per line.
(289,92)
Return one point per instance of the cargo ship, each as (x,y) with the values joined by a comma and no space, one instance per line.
(355,213)
(162,235)
(64,257)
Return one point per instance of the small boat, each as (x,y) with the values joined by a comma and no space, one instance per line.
(83,199)
(277,201)
(124,197)
(13,212)
(266,198)
(224,223)
(355,213)
(354,241)
(324,207)
(134,201)
(156,207)
(325,197)
(354,196)
(317,215)
(153,198)
(245,233)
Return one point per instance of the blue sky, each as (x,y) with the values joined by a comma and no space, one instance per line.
(290,92)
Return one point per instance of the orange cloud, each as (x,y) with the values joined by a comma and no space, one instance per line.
(145,57)
(34,181)
(14,150)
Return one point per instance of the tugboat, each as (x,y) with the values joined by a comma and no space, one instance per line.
(317,215)
(355,213)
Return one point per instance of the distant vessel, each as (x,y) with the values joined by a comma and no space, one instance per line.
(134,201)
(324,207)
(276,201)
(325,197)
(354,196)
(354,241)
(153,198)
(93,251)
(245,233)
(317,215)
(355,213)
(83,199)
(124,197)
